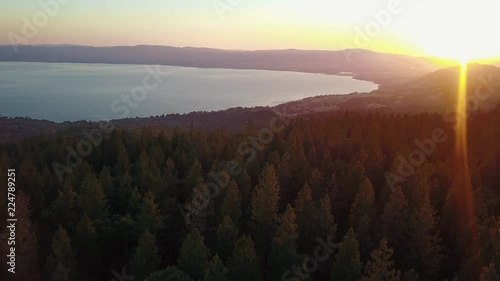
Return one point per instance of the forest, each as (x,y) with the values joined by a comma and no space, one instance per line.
(327,196)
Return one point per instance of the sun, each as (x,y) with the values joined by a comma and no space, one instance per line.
(461,48)
(458,30)
(460,51)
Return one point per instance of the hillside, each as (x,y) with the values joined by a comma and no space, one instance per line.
(433,92)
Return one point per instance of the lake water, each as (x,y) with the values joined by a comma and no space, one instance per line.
(72,91)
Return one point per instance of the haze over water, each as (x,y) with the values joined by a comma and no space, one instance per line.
(69,92)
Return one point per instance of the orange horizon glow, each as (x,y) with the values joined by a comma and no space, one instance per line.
(443,30)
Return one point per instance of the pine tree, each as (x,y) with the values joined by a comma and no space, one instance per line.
(314,220)
(28,172)
(285,175)
(245,187)
(92,197)
(194,255)
(364,203)
(380,267)
(353,181)
(317,183)
(284,249)
(265,208)
(347,265)
(88,249)
(200,208)
(113,233)
(170,273)
(26,242)
(172,178)
(216,270)
(134,202)
(459,222)
(394,223)
(231,205)
(490,240)
(61,273)
(64,210)
(363,235)
(410,275)
(148,217)
(326,221)
(227,235)
(145,260)
(306,222)
(106,181)
(304,198)
(61,261)
(144,174)
(244,263)
(194,176)
(122,161)
(422,243)
(489,273)
(122,193)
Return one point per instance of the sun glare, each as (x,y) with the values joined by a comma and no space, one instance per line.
(461,110)
(462,34)
(461,165)
(460,50)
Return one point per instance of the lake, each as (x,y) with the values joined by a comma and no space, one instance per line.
(74,91)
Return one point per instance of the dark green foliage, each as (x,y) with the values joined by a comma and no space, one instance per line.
(88,249)
(227,235)
(364,203)
(265,201)
(231,205)
(148,215)
(61,262)
(194,255)
(422,244)
(489,273)
(92,198)
(347,265)
(284,246)
(170,273)
(145,259)
(317,178)
(64,210)
(394,222)
(244,263)
(314,220)
(27,247)
(380,267)
(216,271)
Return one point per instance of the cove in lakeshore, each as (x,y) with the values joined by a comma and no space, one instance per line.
(75,91)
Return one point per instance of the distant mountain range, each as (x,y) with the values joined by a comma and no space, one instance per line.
(363,64)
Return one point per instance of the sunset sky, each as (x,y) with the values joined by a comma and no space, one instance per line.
(445,28)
